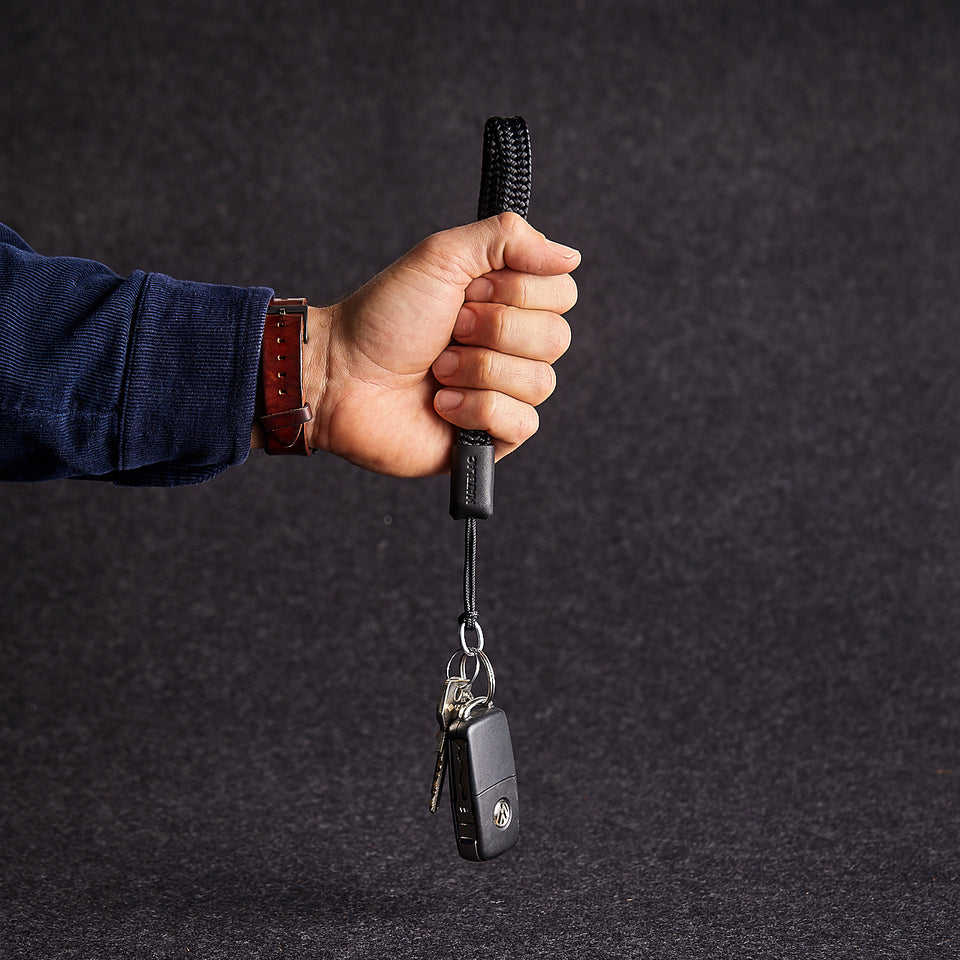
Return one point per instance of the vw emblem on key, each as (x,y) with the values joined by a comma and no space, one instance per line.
(502,813)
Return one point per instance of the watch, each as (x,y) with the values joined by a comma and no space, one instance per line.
(283,411)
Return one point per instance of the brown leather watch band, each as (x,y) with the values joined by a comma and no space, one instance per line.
(283,409)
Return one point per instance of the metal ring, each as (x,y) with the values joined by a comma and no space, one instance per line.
(468,650)
(487,699)
(463,675)
(491,676)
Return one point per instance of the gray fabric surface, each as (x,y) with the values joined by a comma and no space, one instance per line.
(721,586)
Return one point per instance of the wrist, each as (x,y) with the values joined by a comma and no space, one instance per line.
(315,379)
(292,377)
(316,374)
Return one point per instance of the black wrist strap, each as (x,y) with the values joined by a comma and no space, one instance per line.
(506,176)
(504,186)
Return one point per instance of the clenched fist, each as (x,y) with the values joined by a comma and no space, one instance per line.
(462,331)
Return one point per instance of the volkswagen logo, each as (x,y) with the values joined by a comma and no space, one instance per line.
(502,814)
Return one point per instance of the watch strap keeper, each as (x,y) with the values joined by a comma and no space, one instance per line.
(283,412)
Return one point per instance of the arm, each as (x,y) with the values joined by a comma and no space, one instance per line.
(152,380)
(143,380)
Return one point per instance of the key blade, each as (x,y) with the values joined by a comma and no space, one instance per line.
(439,772)
(455,693)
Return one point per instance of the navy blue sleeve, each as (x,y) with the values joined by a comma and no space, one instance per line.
(143,380)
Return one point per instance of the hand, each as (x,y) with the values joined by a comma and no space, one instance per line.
(388,388)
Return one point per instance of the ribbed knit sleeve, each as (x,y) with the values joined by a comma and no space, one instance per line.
(143,380)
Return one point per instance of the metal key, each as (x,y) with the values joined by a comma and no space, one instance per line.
(455,694)
(483,782)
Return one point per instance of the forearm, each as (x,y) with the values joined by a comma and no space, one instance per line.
(143,380)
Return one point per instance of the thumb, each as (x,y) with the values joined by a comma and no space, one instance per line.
(503,241)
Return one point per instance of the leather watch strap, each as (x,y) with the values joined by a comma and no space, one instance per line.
(283,410)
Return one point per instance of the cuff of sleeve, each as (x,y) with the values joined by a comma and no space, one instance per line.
(191,379)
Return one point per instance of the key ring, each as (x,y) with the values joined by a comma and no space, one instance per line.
(468,650)
(487,699)
(463,674)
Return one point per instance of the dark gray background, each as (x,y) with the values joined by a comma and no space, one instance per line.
(721,587)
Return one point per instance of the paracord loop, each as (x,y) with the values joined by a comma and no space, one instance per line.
(469,615)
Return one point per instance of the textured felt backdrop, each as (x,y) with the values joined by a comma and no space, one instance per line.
(721,588)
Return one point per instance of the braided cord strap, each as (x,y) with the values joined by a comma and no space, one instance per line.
(506,177)
(504,186)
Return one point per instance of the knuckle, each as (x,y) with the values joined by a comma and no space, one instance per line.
(523,291)
(502,323)
(487,406)
(510,221)
(488,368)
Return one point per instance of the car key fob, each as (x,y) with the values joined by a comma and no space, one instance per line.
(483,783)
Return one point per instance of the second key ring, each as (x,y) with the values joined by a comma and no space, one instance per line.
(464,657)
(487,699)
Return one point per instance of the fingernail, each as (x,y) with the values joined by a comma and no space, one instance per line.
(568,253)
(446,364)
(448,400)
(466,323)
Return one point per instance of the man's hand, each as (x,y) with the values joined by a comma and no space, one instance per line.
(459,332)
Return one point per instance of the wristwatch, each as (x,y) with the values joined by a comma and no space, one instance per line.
(283,412)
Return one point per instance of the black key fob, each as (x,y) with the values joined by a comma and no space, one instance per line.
(483,784)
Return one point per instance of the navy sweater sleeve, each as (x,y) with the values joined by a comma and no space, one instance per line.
(145,380)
